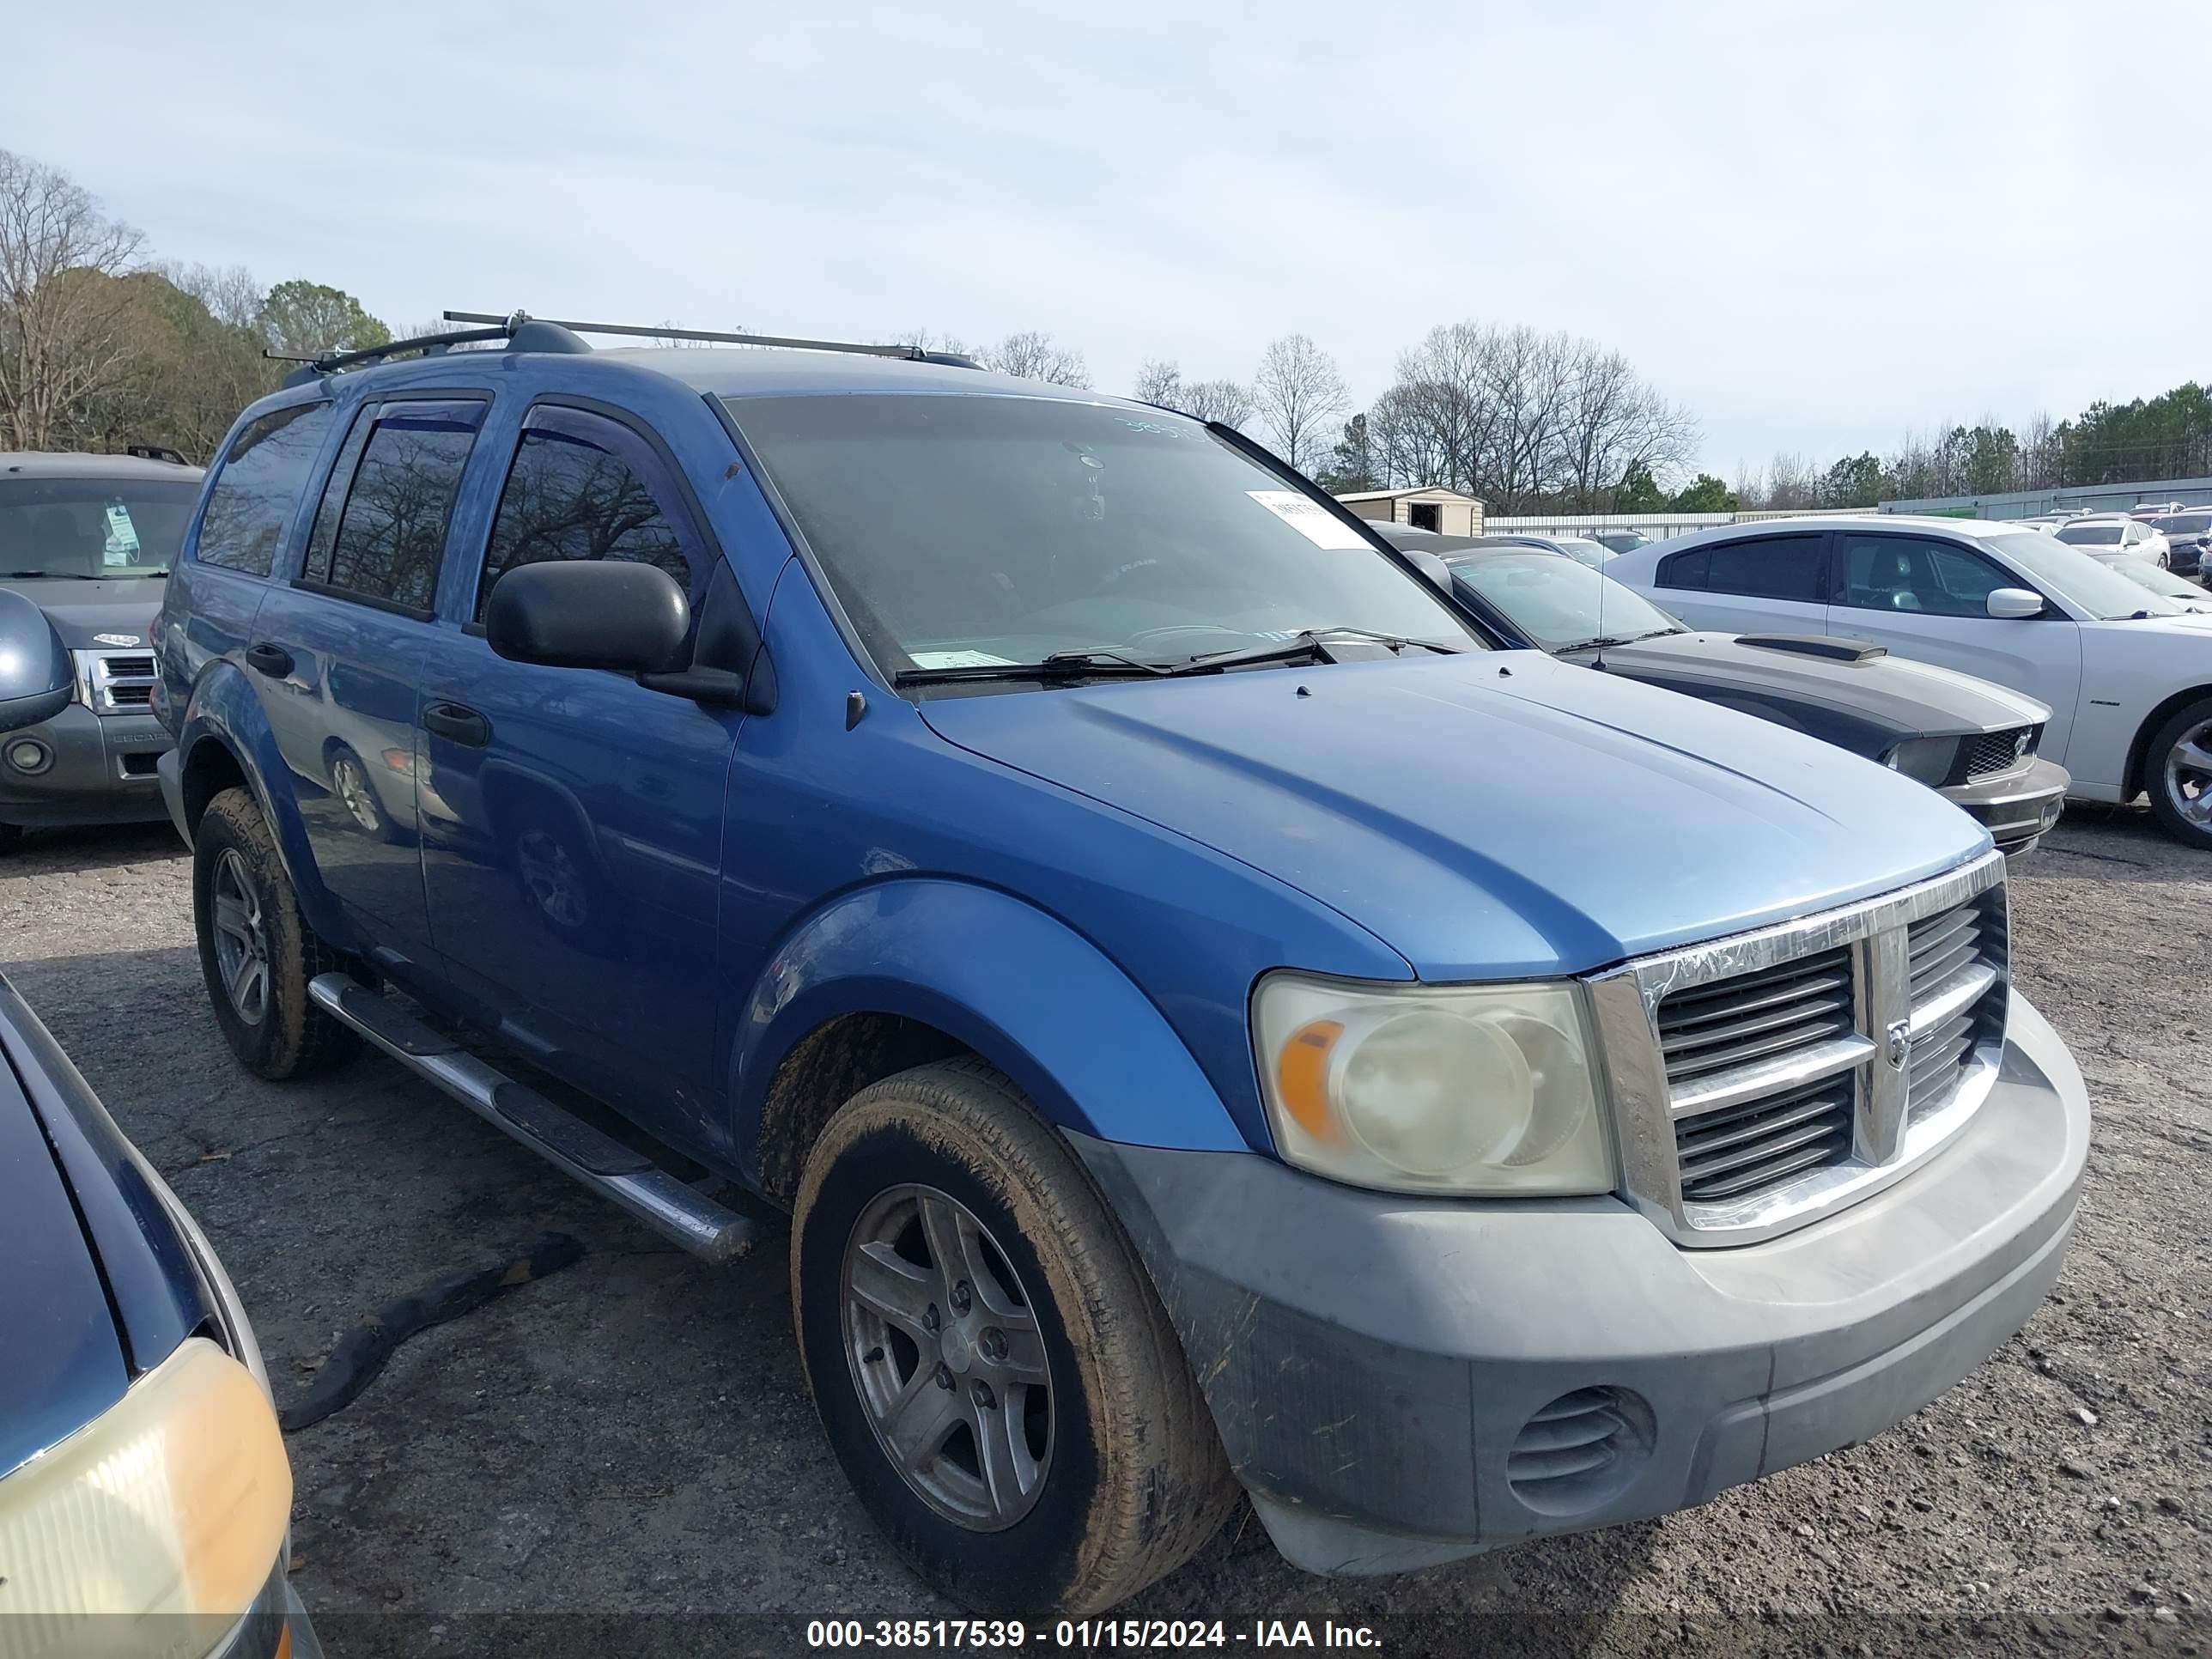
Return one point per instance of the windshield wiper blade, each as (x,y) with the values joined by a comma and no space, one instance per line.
(50,576)
(1607,641)
(1061,666)
(1313,642)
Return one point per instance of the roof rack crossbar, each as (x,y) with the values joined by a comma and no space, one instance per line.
(326,362)
(912,353)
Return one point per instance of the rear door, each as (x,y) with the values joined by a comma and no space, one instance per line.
(572,820)
(1756,585)
(339,653)
(1928,599)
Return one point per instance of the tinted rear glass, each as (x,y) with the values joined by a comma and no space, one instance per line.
(263,473)
(1774,567)
(2091,535)
(392,535)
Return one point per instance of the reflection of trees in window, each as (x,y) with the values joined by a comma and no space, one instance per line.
(254,495)
(567,500)
(394,528)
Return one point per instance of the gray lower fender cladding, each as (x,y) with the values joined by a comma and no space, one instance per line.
(1371,1360)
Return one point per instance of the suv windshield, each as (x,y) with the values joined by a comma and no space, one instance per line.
(1559,603)
(2073,574)
(964,530)
(89,528)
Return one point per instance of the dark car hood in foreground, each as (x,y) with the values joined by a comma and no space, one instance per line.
(125,607)
(1488,815)
(99,1284)
(1908,698)
(64,1362)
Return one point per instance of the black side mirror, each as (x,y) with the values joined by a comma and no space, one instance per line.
(594,613)
(36,677)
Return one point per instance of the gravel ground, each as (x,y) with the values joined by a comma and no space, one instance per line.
(621,1457)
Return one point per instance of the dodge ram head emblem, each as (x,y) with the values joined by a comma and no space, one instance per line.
(1900,1043)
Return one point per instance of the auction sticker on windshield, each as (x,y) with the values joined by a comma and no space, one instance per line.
(1308,517)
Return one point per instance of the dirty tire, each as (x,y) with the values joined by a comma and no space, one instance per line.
(2185,721)
(1136,1481)
(294,1037)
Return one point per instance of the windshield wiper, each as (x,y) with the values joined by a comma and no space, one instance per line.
(50,576)
(1061,666)
(1607,641)
(1310,643)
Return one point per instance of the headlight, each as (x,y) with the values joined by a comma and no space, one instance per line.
(1471,1089)
(1928,759)
(169,1508)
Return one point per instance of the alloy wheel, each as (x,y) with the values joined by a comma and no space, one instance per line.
(947,1355)
(2189,776)
(241,943)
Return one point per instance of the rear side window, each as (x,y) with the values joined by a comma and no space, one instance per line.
(263,473)
(1685,570)
(1776,568)
(380,534)
(583,487)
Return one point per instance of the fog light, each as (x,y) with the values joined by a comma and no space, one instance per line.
(29,756)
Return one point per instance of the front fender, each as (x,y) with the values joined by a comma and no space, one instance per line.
(223,710)
(1020,988)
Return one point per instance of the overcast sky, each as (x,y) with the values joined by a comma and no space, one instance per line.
(1814,224)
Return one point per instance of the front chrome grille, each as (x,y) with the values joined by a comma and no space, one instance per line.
(1992,752)
(115,682)
(1958,962)
(1739,1022)
(1761,1081)
(1763,1142)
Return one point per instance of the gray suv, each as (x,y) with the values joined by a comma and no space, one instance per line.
(87,540)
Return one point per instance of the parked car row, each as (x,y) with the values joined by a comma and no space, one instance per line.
(2126,673)
(2170,535)
(1971,740)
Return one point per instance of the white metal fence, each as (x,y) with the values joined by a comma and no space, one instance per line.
(1657,526)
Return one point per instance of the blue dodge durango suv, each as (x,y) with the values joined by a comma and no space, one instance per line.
(1219,1023)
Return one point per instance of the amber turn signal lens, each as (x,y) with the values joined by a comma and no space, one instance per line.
(1302,1078)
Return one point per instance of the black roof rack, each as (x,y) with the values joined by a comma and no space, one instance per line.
(523,333)
(715,337)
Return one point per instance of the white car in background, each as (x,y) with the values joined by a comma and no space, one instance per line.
(2127,672)
(2115,534)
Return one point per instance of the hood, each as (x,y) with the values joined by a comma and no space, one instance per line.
(1908,698)
(65,1361)
(79,610)
(1489,815)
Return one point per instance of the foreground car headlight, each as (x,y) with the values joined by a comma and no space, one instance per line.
(1463,1090)
(1928,759)
(169,1508)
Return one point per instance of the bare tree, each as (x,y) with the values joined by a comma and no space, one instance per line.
(1229,402)
(1159,382)
(1615,423)
(1792,481)
(64,333)
(2039,452)
(1301,397)
(1034,356)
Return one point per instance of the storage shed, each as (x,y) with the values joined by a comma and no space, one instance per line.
(1430,507)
